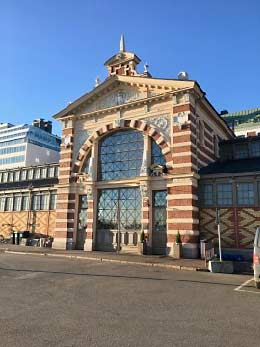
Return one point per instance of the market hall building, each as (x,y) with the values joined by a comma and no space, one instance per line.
(130,155)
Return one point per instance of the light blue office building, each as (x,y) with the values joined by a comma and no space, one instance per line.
(28,145)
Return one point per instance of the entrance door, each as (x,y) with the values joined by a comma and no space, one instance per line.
(159,236)
(118,219)
(82,221)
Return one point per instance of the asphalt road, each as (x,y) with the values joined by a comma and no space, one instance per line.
(61,302)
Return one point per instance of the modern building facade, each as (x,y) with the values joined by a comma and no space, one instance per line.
(243,123)
(27,145)
(131,153)
(232,185)
(28,199)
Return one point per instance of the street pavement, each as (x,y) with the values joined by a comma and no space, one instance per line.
(69,303)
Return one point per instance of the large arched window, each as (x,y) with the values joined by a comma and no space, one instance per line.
(120,155)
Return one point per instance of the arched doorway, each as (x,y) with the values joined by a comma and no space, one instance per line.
(122,173)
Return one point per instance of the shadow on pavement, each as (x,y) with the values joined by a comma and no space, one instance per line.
(82,274)
(212,283)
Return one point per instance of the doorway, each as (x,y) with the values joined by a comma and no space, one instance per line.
(118,219)
(159,233)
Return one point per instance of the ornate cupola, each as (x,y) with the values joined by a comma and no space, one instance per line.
(123,63)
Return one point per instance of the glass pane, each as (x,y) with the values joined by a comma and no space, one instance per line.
(160,198)
(119,205)
(224,193)
(157,156)
(83,207)
(245,194)
(206,195)
(159,210)
(120,155)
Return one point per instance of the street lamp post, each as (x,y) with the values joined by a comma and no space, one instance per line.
(219,233)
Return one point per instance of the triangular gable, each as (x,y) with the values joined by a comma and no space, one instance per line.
(117,90)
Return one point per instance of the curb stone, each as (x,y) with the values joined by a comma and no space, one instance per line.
(165,266)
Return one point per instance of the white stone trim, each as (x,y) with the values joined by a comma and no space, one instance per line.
(182,208)
(183,232)
(182,220)
(181,197)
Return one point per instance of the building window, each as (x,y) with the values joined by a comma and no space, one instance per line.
(17,202)
(120,155)
(241,151)
(51,171)
(82,212)
(25,202)
(9,203)
(12,160)
(53,198)
(23,175)
(30,174)
(40,201)
(44,172)
(17,176)
(44,201)
(36,202)
(5,176)
(207,195)
(224,194)
(37,173)
(2,203)
(245,194)
(157,156)
(255,149)
(11,176)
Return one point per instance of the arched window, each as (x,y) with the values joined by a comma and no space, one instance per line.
(157,156)
(120,155)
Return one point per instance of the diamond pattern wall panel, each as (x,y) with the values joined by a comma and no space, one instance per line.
(208,227)
(248,221)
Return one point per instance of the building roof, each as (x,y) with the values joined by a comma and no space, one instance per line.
(232,166)
(242,116)
(238,140)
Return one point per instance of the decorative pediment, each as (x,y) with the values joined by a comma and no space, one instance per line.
(157,170)
(119,96)
(118,90)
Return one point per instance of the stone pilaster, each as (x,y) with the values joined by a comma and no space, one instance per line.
(88,246)
(183,214)
(65,209)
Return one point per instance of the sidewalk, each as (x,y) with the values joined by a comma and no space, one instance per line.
(123,258)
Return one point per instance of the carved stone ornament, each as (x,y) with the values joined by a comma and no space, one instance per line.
(67,141)
(117,98)
(162,123)
(181,118)
(144,191)
(156,170)
(90,193)
(81,178)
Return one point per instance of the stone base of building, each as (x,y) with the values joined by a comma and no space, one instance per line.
(62,243)
(188,251)
(88,245)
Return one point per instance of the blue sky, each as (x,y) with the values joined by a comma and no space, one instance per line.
(52,50)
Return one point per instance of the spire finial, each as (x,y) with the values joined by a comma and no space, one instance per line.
(97,81)
(122,43)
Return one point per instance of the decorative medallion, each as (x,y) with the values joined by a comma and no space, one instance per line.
(162,123)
